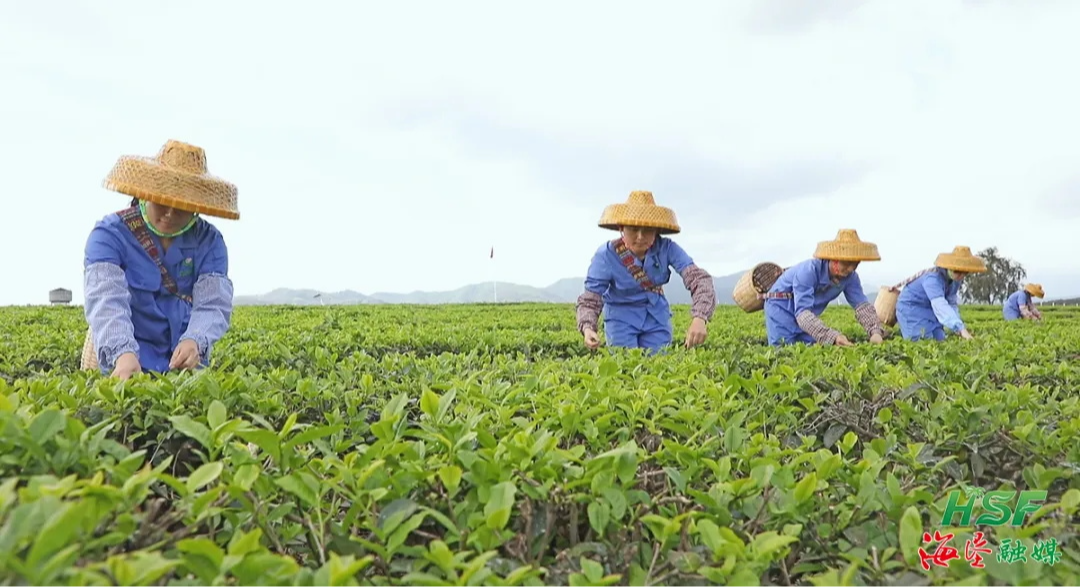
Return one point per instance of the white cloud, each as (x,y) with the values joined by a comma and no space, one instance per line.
(347,129)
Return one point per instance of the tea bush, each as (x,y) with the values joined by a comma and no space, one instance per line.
(485,445)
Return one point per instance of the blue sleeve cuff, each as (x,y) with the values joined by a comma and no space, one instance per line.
(108,311)
(947,314)
(211,311)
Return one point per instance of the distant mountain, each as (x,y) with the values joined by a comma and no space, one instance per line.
(304,297)
(472,294)
(561,292)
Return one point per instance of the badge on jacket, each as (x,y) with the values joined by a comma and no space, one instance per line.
(187,267)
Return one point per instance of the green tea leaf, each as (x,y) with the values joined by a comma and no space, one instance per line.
(500,504)
(911,530)
(46,425)
(805,489)
(204,475)
(216,415)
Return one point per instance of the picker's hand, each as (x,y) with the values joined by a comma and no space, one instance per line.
(186,355)
(875,338)
(592,339)
(127,365)
(965,334)
(696,334)
(842,340)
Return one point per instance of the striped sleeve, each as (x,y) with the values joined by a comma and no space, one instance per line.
(811,324)
(702,291)
(868,318)
(589,306)
(212,304)
(108,311)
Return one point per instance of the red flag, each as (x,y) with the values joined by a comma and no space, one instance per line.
(492,253)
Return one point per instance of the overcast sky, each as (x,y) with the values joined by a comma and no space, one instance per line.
(386,146)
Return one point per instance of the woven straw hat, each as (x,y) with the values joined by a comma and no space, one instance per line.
(961,259)
(847,247)
(177,178)
(1035,289)
(640,210)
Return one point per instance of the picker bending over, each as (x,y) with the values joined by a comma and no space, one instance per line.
(1019,304)
(928,305)
(151,310)
(794,303)
(627,275)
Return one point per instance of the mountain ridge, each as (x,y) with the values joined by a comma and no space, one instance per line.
(562,291)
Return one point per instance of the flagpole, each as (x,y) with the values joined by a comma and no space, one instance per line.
(494,277)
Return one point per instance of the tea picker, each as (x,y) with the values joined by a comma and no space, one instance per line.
(794,300)
(626,277)
(158,293)
(1020,306)
(928,302)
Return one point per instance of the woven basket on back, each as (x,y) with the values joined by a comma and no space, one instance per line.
(885,305)
(753,284)
(89,360)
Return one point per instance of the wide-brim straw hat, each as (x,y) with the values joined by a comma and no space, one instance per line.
(640,210)
(961,259)
(177,178)
(847,247)
(1035,289)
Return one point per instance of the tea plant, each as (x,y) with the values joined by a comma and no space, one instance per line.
(485,444)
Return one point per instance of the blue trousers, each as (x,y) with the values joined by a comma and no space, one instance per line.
(781,328)
(918,323)
(653,335)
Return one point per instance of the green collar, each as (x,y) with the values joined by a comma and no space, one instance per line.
(150,225)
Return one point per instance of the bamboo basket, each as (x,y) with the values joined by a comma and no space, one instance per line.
(89,355)
(885,305)
(753,284)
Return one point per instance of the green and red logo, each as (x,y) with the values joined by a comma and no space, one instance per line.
(997,511)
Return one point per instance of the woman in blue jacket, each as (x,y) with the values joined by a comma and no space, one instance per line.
(158,294)
(929,304)
(794,303)
(1019,305)
(626,277)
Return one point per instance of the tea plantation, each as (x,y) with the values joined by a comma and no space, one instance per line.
(485,445)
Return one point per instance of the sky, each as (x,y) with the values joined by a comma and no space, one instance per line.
(388,146)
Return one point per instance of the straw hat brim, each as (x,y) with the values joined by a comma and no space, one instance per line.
(847,251)
(1035,291)
(658,217)
(963,264)
(146,179)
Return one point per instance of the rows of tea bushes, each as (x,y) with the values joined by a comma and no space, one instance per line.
(485,445)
